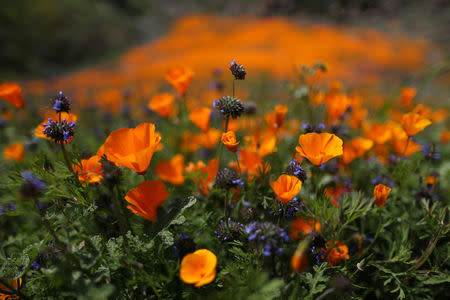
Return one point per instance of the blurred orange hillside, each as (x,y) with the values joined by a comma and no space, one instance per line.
(274,45)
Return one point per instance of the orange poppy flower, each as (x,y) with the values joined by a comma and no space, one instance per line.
(337,253)
(280,114)
(146,198)
(337,105)
(90,171)
(200,116)
(399,147)
(133,147)
(208,139)
(172,170)
(251,162)
(204,175)
(317,98)
(445,136)
(229,140)
(381,192)
(407,95)
(414,123)
(15,152)
(305,227)
(319,148)
(198,268)
(356,148)
(162,104)
(11,93)
(180,78)
(378,133)
(39,130)
(299,261)
(357,116)
(431,180)
(286,187)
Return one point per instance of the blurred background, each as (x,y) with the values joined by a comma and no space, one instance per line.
(47,38)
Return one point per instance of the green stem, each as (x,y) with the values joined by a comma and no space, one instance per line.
(237,161)
(431,246)
(221,144)
(406,147)
(120,219)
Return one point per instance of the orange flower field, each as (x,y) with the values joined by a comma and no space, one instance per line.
(231,158)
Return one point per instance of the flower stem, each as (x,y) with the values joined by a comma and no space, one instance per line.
(120,219)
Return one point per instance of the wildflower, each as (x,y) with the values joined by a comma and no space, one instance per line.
(319,148)
(414,123)
(445,137)
(431,179)
(90,171)
(133,147)
(310,226)
(356,148)
(172,170)
(267,237)
(146,198)
(381,192)
(299,261)
(59,132)
(208,139)
(39,130)
(280,114)
(15,151)
(237,70)
(252,163)
(313,128)
(198,268)
(162,104)
(229,106)
(431,152)
(61,103)
(295,169)
(337,105)
(407,95)
(229,140)
(378,133)
(337,253)
(180,78)
(11,93)
(32,186)
(286,187)
(229,230)
(183,245)
(201,117)
(227,178)
(204,174)
(411,146)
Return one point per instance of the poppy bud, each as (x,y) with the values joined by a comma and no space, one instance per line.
(61,103)
(227,178)
(237,70)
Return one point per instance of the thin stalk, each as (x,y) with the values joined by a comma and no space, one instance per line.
(221,144)
(120,219)
(225,204)
(406,147)
(237,161)
(431,246)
